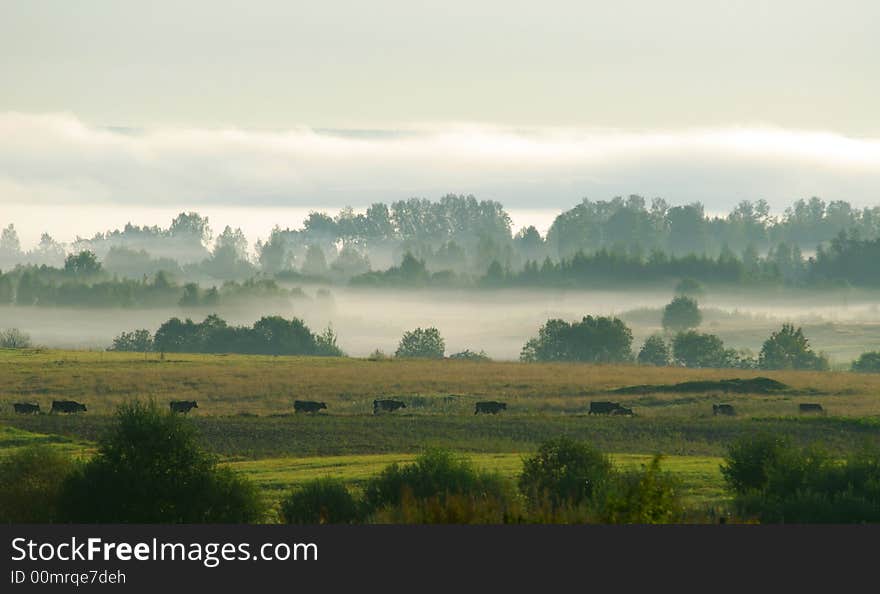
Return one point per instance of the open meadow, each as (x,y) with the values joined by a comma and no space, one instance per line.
(245,411)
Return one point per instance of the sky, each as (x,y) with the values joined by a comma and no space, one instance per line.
(285,104)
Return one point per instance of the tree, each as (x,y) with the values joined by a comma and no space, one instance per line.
(315,263)
(13,338)
(423,343)
(151,469)
(564,472)
(693,349)
(594,339)
(788,348)
(689,287)
(867,363)
(654,352)
(139,341)
(84,263)
(682,313)
(10,245)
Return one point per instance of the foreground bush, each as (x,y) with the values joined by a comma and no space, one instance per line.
(321,501)
(435,474)
(563,472)
(30,484)
(806,485)
(150,469)
(647,496)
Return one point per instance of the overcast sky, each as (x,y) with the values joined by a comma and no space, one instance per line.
(536,104)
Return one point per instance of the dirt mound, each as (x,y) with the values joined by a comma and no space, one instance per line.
(755,385)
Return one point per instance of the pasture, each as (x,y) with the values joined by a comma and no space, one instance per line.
(245,413)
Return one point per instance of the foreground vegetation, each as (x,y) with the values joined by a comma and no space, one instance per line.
(246,422)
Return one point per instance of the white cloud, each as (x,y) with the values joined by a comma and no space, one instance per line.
(58,159)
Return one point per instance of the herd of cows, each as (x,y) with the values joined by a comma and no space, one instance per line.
(492,407)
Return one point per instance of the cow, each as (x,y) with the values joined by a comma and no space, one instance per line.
(308,406)
(810,408)
(182,406)
(25,408)
(608,408)
(723,409)
(67,406)
(387,405)
(490,406)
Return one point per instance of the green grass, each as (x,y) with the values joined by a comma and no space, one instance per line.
(700,476)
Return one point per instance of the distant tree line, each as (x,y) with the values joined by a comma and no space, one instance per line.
(462,241)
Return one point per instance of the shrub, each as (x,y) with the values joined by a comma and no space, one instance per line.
(681,314)
(654,352)
(435,473)
(30,484)
(321,501)
(138,341)
(646,496)
(469,355)
(150,469)
(746,464)
(563,472)
(809,486)
(425,343)
(867,363)
(788,348)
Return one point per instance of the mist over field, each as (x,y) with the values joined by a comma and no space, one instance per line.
(841,324)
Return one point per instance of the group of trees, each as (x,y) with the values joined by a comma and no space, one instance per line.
(470,242)
(271,335)
(609,340)
(84,282)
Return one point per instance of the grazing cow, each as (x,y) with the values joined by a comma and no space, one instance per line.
(67,406)
(182,406)
(490,406)
(308,406)
(387,405)
(609,408)
(811,408)
(24,408)
(723,409)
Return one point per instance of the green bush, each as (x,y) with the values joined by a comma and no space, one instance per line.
(321,501)
(788,348)
(563,472)
(435,473)
(747,462)
(423,343)
(807,485)
(30,484)
(647,496)
(150,469)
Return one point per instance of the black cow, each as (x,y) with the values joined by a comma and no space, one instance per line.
(723,409)
(182,406)
(810,408)
(608,408)
(308,406)
(387,405)
(24,408)
(67,406)
(490,406)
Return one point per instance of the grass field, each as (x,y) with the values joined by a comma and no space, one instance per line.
(245,411)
